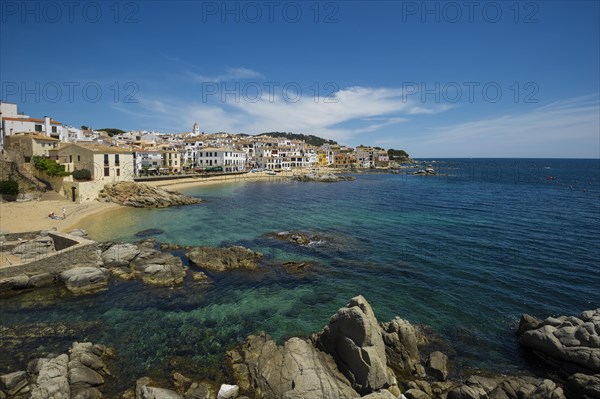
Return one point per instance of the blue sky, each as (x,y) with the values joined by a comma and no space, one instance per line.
(438,79)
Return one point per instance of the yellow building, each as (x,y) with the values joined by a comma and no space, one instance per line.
(106,163)
(21,148)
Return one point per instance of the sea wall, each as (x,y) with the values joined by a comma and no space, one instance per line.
(70,252)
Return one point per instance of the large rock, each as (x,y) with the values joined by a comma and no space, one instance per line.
(322,177)
(12,383)
(158,268)
(566,339)
(584,386)
(437,365)
(477,387)
(78,374)
(400,339)
(353,337)
(85,280)
(52,380)
(119,255)
(295,370)
(140,195)
(227,258)
(158,393)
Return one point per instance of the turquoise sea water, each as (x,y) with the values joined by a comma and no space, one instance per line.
(465,253)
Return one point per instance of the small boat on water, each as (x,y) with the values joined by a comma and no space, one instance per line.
(271,172)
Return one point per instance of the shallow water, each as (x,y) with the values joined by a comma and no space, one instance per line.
(466,253)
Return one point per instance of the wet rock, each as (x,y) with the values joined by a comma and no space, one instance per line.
(85,280)
(353,337)
(296,237)
(297,267)
(565,339)
(140,195)
(13,383)
(437,365)
(226,258)
(400,339)
(294,370)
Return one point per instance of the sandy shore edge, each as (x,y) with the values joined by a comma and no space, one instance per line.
(16,217)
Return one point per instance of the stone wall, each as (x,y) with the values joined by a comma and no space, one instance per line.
(82,252)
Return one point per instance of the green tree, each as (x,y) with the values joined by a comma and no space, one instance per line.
(9,187)
(82,174)
(51,167)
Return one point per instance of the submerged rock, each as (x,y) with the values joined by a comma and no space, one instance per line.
(297,237)
(149,232)
(222,259)
(140,195)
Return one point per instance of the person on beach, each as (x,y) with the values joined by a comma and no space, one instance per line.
(64,212)
(52,215)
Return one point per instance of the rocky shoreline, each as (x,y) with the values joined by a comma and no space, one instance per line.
(139,195)
(353,356)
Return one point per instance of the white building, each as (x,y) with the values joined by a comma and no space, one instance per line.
(229,159)
(196,130)
(11,122)
(147,160)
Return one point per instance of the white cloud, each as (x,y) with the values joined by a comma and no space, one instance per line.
(230,74)
(567,128)
(365,109)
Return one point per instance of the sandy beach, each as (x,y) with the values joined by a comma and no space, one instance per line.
(17,217)
(33,215)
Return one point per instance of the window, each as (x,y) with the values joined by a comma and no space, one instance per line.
(105,161)
(70,158)
(118,172)
(116,159)
(54,129)
(78,158)
(106,171)
(38,128)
